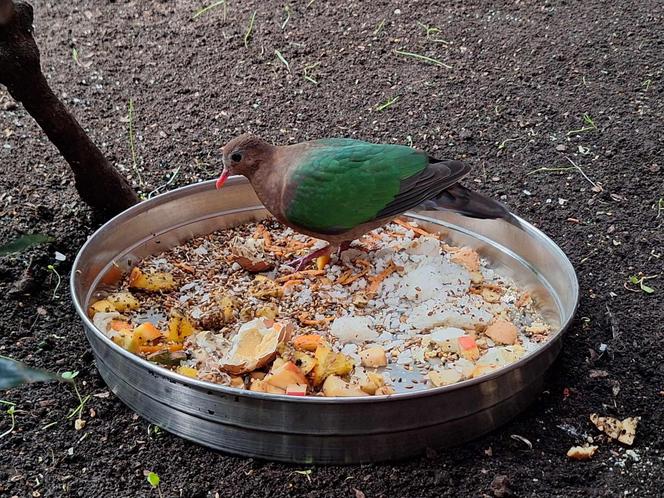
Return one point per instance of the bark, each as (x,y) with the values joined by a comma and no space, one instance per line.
(99,184)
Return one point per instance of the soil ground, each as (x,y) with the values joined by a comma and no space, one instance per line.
(521,76)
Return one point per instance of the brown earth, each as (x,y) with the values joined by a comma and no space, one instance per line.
(522,74)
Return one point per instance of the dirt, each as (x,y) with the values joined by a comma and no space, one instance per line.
(521,77)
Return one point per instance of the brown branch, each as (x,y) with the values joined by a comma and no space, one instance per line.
(98,183)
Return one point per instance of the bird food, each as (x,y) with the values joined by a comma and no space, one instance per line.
(398,311)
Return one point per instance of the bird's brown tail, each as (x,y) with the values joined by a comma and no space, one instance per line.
(473,204)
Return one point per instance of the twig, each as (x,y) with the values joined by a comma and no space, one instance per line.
(548,170)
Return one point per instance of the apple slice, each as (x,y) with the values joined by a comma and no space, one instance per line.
(296,390)
(286,375)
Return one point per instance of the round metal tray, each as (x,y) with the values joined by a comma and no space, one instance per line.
(318,429)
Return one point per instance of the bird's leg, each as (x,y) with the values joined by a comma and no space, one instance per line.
(344,246)
(301,263)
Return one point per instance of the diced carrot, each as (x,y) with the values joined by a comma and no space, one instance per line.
(307,342)
(300,275)
(417,230)
(160,347)
(467,342)
(376,281)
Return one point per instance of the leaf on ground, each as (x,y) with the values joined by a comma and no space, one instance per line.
(24,242)
(14,373)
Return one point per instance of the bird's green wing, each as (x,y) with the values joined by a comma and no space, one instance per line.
(341,183)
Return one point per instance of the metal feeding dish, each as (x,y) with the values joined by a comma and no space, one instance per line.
(316,429)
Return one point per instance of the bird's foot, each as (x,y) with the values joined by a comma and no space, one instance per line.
(301,263)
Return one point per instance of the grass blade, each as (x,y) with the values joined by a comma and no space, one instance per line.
(250,28)
(282,59)
(202,11)
(424,58)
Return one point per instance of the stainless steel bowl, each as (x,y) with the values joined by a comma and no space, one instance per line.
(317,429)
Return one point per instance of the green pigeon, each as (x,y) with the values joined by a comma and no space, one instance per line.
(338,189)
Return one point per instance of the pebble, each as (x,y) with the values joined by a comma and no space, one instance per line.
(561,147)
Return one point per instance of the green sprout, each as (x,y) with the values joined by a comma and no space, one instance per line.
(282,59)
(250,28)
(504,143)
(588,125)
(430,32)
(640,281)
(11,412)
(202,11)
(154,481)
(154,431)
(287,10)
(424,58)
(306,473)
(646,84)
(74,55)
(310,3)
(78,410)
(379,27)
(387,104)
(660,206)
(308,68)
(58,281)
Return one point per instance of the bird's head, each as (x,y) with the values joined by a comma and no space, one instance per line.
(243,155)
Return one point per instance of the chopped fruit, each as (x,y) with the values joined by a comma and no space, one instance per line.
(444,377)
(123,301)
(581,452)
(322,261)
(502,332)
(330,363)
(307,342)
(179,328)
(336,386)
(263,387)
(237,382)
(304,362)
(257,375)
(189,372)
(254,346)
(373,357)
(482,369)
(296,389)
(160,347)
(285,375)
(146,332)
(151,282)
(103,306)
(120,325)
(468,258)
(468,348)
(372,383)
(384,391)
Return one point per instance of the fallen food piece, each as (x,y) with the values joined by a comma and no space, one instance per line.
(286,375)
(444,377)
(624,431)
(581,452)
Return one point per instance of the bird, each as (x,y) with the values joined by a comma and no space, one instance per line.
(338,189)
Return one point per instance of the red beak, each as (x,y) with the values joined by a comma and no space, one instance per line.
(222,179)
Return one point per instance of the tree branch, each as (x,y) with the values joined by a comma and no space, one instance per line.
(98,183)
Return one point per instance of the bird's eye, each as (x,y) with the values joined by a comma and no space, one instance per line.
(236,157)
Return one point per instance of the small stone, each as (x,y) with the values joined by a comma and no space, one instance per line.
(561,147)
(500,487)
